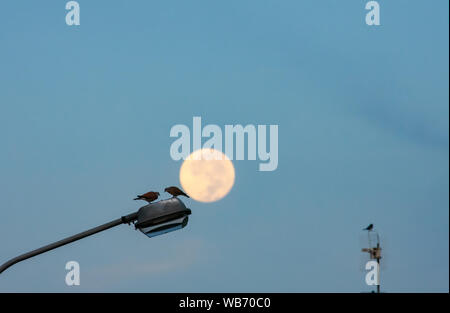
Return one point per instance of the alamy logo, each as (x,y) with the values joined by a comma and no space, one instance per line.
(256,136)
(73,16)
(373,16)
(373,274)
(73,276)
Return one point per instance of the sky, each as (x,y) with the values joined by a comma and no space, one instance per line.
(362,113)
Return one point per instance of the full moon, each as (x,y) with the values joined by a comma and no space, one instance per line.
(207,175)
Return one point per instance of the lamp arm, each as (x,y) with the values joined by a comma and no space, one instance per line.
(123,220)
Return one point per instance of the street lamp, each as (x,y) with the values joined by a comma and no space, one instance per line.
(153,219)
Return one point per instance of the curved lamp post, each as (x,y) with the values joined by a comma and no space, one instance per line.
(153,219)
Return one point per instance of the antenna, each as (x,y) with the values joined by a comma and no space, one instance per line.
(374,249)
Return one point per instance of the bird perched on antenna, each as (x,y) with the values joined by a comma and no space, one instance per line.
(149,196)
(369,228)
(175,191)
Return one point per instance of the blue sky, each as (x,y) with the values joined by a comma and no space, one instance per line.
(363,138)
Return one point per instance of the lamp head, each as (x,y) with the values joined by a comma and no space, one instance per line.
(162,217)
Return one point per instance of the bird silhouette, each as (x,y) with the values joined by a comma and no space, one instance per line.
(149,196)
(175,191)
(369,228)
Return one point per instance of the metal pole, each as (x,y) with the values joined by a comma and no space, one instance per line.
(123,220)
(378,261)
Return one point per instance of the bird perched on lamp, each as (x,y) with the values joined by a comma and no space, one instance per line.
(149,196)
(369,228)
(175,191)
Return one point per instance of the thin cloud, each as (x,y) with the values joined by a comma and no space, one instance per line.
(181,256)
